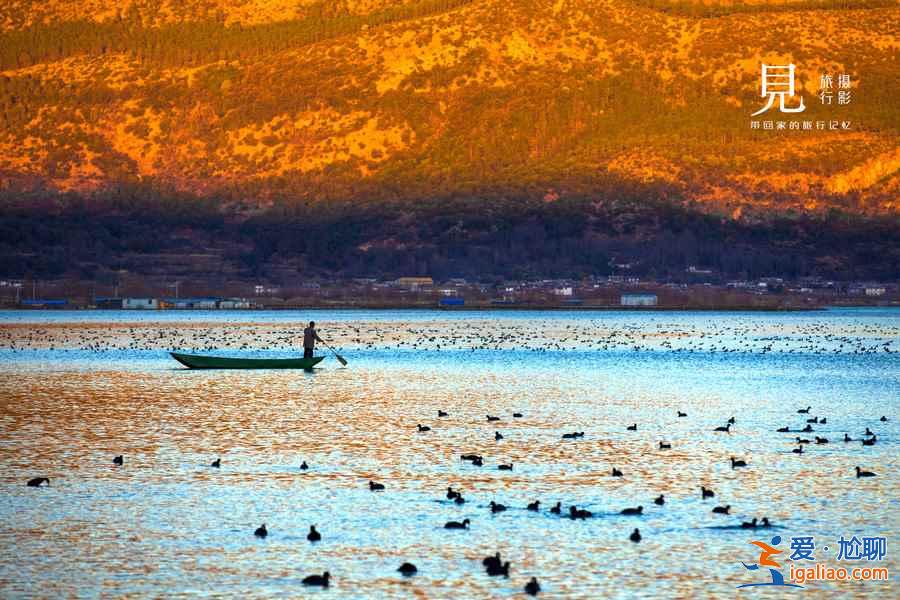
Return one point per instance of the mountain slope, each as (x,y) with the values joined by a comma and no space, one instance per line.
(405,99)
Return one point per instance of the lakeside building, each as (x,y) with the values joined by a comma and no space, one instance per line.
(641,299)
(414,283)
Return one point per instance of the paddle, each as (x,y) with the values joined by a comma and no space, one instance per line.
(336,355)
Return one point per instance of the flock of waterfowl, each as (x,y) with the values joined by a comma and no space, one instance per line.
(494,565)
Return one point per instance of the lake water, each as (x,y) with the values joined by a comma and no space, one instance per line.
(81,387)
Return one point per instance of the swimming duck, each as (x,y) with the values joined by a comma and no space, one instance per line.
(557,509)
(821,440)
(457,524)
(407,569)
(682,414)
(119,460)
(722,510)
(847,438)
(807,429)
(491,560)
(216,463)
(706,492)
(423,428)
(535,506)
(633,511)
(798,450)
(304,466)
(883,419)
(313,535)
(37,481)
(532,587)
(261,531)
(376,487)
(665,446)
(517,415)
(451,493)
(440,414)
(813,420)
(783,429)
(498,436)
(660,500)
(726,428)
(870,442)
(492,418)
(579,513)
(495,508)
(319,580)
(508,467)
(869,431)
(737,463)
(632,427)
(616,472)
(804,411)
(801,440)
(498,570)
(750,525)
(469,457)
(731,421)
(635,535)
(478,462)
(861,473)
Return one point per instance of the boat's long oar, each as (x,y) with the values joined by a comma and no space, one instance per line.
(336,355)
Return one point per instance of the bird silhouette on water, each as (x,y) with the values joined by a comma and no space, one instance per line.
(722,510)
(535,506)
(216,463)
(659,501)
(457,524)
(532,587)
(407,569)
(317,580)
(313,535)
(119,460)
(633,511)
(495,508)
(616,472)
(735,463)
(261,531)
(376,487)
(635,535)
(706,492)
(861,473)
(37,481)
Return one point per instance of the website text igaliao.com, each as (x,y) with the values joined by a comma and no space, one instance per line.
(822,573)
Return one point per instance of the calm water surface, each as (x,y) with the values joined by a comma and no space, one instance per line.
(81,387)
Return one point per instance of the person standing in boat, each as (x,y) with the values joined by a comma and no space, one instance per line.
(310,337)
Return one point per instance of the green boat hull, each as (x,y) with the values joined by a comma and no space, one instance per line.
(193,361)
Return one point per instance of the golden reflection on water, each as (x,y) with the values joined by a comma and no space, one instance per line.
(166,521)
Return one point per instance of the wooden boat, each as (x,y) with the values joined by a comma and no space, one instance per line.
(193,361)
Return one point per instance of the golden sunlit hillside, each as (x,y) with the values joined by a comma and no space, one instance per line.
(271,99)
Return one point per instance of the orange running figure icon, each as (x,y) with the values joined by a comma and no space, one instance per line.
(767,552)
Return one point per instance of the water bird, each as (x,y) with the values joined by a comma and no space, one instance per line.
(847,438)
(798,450)
(495,570)
(216,463)
(804,411)
(813,420)
(737,463)
(423,428)
(535,506)
(801,440)
(517,415)
(498,436)
(883,419)
(508,467)
(869,431)
(313,535)
(870,442)
(451,493)
(459,499)
(682,414)
(783,429)
(731,421)
(487,561)
(407,569)
(632,427)
(495,507)
(821,440)
(319,580)
(706,492)
(665,446)
(861,473)
(750,525)
(635,535)
(807,429)
(492,418)
(616,472)
(457,524)
(532,587)
(376,487)
(261,531)
(572,436)
(557,509)
(722,510)
(119,460)
(440,414)
(765,522)
(823,421)
(579,513)
(469,457)
(659,501)
(478,462)
(37,481)
(726,428)
(304,466)
(633,511)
